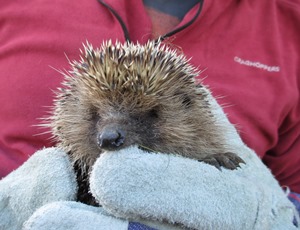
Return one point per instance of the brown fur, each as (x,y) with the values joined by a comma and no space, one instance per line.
(147,91)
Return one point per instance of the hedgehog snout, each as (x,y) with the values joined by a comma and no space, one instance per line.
(111,138)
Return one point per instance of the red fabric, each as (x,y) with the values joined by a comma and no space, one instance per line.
(249,50)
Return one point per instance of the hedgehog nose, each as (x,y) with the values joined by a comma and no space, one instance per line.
(110,138)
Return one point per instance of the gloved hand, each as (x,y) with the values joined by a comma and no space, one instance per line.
(46,177)
(145,186)
(168,192)
(44,189)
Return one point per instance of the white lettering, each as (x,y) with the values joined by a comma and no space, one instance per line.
(257,65)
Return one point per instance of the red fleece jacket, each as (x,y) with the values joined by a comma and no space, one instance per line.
(248,48)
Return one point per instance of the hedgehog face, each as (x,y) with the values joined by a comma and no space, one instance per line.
(119,128)
(122,95)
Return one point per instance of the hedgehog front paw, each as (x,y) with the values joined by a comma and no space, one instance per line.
(227,160)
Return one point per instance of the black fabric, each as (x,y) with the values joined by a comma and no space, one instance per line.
(177,8)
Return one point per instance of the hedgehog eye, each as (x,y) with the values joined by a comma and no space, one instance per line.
(153,113)
(94,115)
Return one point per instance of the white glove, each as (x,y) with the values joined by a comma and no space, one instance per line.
(159,190)
(132,184)
(46,177)
(72,215)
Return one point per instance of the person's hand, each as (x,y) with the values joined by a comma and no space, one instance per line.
(132,184)
(46,177)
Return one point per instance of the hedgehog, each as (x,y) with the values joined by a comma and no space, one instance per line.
(125,94)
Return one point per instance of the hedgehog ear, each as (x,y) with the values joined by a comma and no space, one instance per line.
(186,101)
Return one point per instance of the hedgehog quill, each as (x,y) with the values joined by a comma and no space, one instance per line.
(130,94)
